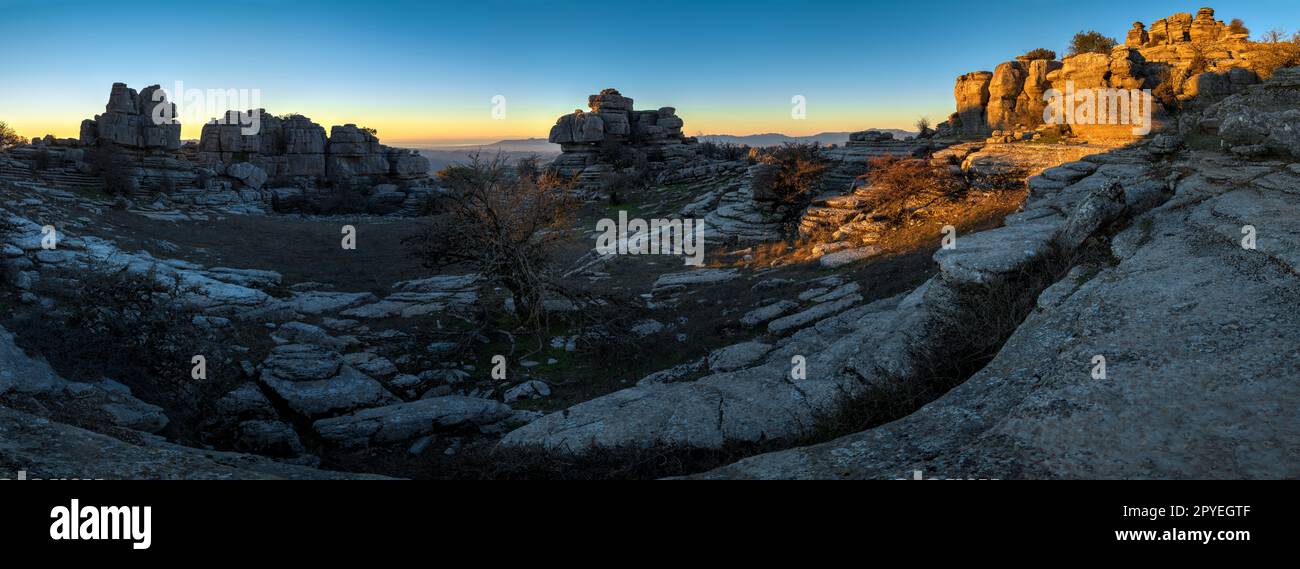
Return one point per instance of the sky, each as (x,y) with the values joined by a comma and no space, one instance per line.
(429,71)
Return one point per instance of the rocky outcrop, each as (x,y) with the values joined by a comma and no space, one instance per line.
(30,382)
(1209,391)
(294,146)
(972,94)
(136,145)
(139,121)
(315,381)
(587,139)
(1197,60)
(1263,119)
(45,449)
(744,213)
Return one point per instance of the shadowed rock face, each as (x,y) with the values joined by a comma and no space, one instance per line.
(972,94)
(1264,118)
(612,120)
(295,146)
(134,120)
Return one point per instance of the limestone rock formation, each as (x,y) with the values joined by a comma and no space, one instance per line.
(612,122)
(972,94)
(283,146)
(138,121)
(1195,59)
(294,146)
(1265,116)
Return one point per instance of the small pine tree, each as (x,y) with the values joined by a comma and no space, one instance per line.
(1091,42)
(1038,53)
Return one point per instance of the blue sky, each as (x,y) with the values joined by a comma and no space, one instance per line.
(429,70)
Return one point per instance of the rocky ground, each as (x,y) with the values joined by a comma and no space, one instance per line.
(335,367)
(1079,307)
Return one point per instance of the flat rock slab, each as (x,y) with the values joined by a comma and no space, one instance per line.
(405,421)
(765,313)
(800,319)
(738,356)
(679,281)
(316,381)
(847,256)
(982,257)
(348,390)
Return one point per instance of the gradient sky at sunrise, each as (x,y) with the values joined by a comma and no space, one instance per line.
(427,71)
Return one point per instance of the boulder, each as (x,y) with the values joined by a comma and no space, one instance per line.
(248,174)
(1267,115)
(315,381)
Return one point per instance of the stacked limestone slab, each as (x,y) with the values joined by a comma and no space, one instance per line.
(612,120)
(294,146)
(140,121)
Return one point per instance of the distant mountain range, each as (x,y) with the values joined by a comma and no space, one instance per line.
(442,155)
(776,139)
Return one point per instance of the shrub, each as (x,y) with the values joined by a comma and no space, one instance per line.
(9,138)
(1091,42)
(620,155)
(621,183)
(1165,95)
(167,184)
(1238,27)
(282,182)
(122,324)
(1275,52)
(923,128)
(899,187)
(506,227)
(724,150)
(799,168)
(1038,53)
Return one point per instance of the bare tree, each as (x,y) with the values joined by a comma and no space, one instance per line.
(504,223)
(9,138)
(923,127)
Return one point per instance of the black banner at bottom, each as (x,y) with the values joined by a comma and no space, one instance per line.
(159,520)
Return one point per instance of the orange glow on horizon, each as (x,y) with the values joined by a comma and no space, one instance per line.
(397,127)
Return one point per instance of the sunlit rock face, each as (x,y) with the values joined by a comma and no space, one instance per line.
(1196,59)
(139,121)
